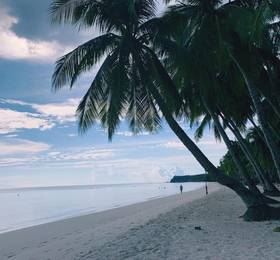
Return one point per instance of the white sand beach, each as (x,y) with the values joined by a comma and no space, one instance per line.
(157,229)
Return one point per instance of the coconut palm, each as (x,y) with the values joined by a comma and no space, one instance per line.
(252,54)
(268,186)
(261,152)
(131,81)
(205,60)
(215,35)
(220,36)
(211,110)
(241,168)
(202,113)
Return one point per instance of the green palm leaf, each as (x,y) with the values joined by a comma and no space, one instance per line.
(81,59)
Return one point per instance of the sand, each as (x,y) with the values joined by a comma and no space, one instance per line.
(157,229)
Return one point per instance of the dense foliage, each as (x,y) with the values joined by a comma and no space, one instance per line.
(261,153)
(211,62)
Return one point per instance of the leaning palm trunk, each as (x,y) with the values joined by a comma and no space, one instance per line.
(274,107)
(272,146)
(124,81)
(257,209)
(274,150)
(241,170)
(275,132)
(251,120)
(260,134)
(268,186)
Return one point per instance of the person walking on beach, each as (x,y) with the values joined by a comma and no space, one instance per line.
(181,188)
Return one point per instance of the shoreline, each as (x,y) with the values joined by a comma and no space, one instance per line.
(86,210)
(75,187)
(189,226)
(15,244)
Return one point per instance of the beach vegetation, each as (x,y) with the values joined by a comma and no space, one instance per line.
(208,62)
(277,229)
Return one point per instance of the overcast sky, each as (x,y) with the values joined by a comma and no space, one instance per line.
(39,143)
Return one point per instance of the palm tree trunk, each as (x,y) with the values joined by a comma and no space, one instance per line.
(261,135)
(274,131)
(248,197)
(268,186)
(257,207)
(272,105)
(272,146)
(241,169)
(257,129)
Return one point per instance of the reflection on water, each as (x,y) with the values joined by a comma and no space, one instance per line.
(32,206)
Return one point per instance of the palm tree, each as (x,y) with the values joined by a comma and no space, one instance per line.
(201,113)
(261,152)
(110,94)
(205,54)
(226,109)
(217,42)
(131,81)
(241,169)
(258,52)
(268,186)
(210,111)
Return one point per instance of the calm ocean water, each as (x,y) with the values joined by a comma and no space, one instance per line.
(27,207)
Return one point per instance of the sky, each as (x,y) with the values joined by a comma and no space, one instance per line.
(39,140)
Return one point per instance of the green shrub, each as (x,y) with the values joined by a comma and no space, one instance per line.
(277,229)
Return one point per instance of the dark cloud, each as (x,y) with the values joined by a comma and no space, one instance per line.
(32,15)
(35,23)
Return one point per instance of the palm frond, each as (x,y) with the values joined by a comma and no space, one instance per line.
(114,107)
(86,13)
(206,121)
(166,85)
(89,109)
(217,133)
(70,66)
(142,112)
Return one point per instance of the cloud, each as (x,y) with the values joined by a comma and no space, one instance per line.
(124,133)
(12,121)
(138,174)
(15,161)
(129,134)
(119,163)
(13,102)
(45,116)
(26,153)
(14,47)
(81,154)
(173,144)
(170,172)
(22,147)
(62,112)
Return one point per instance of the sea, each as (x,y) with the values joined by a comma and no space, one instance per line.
(26,207)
